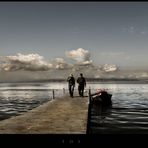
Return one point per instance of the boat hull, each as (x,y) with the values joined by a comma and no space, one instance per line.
(103,99)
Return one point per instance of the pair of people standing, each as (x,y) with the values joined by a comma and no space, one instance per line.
(71,84)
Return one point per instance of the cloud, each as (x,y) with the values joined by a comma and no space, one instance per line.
(109,68)
(35,62)
(134,30)
(80,55)
(143,32)
(20,61)
(87,62)
(131,30)
(60,63)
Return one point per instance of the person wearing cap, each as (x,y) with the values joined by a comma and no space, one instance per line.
(71,84)
(82,83)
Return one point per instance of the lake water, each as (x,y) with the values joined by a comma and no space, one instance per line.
(129,111)
(17,98)
(128,114)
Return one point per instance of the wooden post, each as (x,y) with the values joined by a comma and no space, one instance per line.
(53,97)
(63,91)
(89,95)
(88,130)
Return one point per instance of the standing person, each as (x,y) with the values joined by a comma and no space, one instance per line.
(71,84)
(82,83)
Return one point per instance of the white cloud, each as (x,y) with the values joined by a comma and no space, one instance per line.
(109,68)
(60,63)
(80,55)
(25,62)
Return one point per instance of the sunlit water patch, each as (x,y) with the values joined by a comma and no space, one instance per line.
(17,98)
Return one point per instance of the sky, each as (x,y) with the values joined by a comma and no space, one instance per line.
(113,32)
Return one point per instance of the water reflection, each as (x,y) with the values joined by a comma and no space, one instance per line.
(99,114)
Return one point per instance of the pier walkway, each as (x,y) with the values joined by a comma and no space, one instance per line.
(63,115)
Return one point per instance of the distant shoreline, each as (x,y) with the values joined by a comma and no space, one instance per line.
(92,80)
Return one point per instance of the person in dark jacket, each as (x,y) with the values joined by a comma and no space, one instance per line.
(82,83)
(71,84)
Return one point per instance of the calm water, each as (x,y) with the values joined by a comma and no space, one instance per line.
(128,114)
(17,98)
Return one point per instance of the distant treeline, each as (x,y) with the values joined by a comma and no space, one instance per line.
(100,79)
(112,79)
(88,80)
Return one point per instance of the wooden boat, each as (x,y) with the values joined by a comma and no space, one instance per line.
(102,97)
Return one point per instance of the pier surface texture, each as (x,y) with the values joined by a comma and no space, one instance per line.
(63,115)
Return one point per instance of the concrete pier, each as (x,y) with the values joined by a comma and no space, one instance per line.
(63,115)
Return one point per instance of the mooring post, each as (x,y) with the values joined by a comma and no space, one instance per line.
(89,95)
(63,90)
(53,97)
(88,130)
